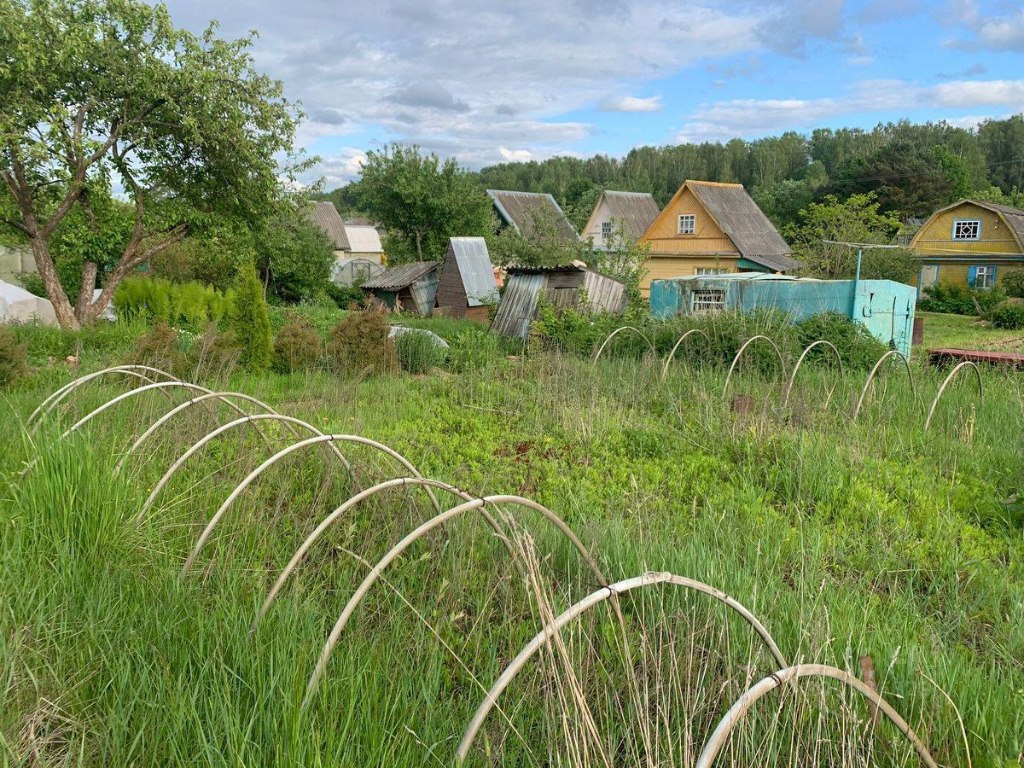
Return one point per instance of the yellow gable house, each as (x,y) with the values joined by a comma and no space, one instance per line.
(969,243)
(709,228)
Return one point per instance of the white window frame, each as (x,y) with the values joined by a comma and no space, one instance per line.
(707,300)
(710,271)
(955,235)
(984,277)
(690,227)
(606,229)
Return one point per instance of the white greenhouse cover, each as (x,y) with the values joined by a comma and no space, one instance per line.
(19,306)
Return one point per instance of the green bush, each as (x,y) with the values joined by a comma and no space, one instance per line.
(1008,315)
(160,348)
(958,299)
(250,322)
(33,283)
(418,352)
(360,343)
(13,358)
(1012,282)
(345,297)
(473,351)
(857,347)
(185,305)
(297,346)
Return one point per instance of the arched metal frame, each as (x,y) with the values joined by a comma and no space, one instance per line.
(209,436)
(421,531)
(54,399)
(188,404)
(777,679)
(803,356)
(637,331)
(277,457)
(952,374)
(555,626)
(340,511)
(672,354)
(742,349)
(874,371)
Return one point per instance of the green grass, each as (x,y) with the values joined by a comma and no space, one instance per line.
(962,332)
(845,539)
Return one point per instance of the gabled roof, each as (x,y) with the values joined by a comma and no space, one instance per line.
(635,210)
(325,216)
(1012,217)
(363,238)
(474,263)
(523,210)
(738,216)
(402,276)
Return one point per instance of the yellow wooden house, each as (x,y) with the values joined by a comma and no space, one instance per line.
(971,243)
(712,228)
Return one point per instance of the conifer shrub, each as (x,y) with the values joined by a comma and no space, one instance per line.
(360,344)
(297,346)
(250,321)
(13,358)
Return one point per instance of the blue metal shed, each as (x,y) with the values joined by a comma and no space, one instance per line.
(884,307)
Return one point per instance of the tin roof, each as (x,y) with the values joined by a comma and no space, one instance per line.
(475,267)
(402,276)
(529,213)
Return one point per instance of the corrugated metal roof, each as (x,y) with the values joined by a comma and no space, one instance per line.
(738,216)
(531,213)
(518,305)
(363,238)
(402,276)
(325,216)
(635,210)
(476,269)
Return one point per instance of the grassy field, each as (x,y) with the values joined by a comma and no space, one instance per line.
(962,332)
(846,539)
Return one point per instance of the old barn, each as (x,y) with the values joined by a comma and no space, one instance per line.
(407,288)
(466,286)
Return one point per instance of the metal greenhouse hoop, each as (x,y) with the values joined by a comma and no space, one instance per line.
(777,679)
(554,627)
(672,354)
(188,404)
(945,383)
(803,356)
(422,530)
(300,553)
(874,371)
(54,399)
(611,335)
(743,349)
(209,436)
(277,457)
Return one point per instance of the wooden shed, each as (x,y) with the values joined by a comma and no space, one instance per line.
(407,288)
(466,286)
(570,286)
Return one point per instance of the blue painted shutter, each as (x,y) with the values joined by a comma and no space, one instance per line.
(972,276)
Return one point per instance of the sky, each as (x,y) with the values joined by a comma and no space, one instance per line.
(488,82)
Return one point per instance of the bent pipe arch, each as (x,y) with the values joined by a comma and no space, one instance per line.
(742,349)
(209,436)
(803,356)
(188,404)
(555,626)
(783,676)
(277,457)
(617,331)
(54,399)
(300,553)
(404,544)
(672,354)
(945,383)
(874,371)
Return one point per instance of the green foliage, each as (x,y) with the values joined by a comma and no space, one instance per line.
(420,202)
(185,305)
(13,358)
(359,344)
(161,348)
(215,354)
(857,347)
(33,283)
(474,350)
(345,297)
(624,260)
(249,321)
(958,299)
(545,243)
(1012,281)
(297,346)
(294,257)
(1009,315)
(418,353)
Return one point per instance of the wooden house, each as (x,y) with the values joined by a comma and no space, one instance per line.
(534,215)
(466,286)
(408,288)
(620,216)
(712,228)
(354,245)
(971,243)
(570,286)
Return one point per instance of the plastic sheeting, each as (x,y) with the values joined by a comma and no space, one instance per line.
(19,306)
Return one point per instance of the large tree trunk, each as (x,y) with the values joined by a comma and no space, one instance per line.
(84,303)
(54,290)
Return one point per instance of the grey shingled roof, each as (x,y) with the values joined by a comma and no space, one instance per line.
(520,210)
(325,216)
(738,216)
(636,210)
(402,276)
(476,270)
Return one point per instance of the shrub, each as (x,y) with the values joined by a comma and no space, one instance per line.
(33,283)
(960,300)
(1012,282)
(1009,315)
(13,358)
(360,343)
(345,297)
(190,305)
(297,346)
(216,353)
(160,348)
(418,352)
(857,347)
(249,321)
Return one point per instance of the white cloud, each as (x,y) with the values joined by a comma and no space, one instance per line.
(343,166)
(985,31)
(632,104)
(515,155)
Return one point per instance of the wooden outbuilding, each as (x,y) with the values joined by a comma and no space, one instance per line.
(407,288)
(466,286)
(619,218)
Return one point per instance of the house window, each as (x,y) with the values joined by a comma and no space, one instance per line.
(606,229)
(967,229)
(710,271)
(687,224)
(983,277)
(707,301)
